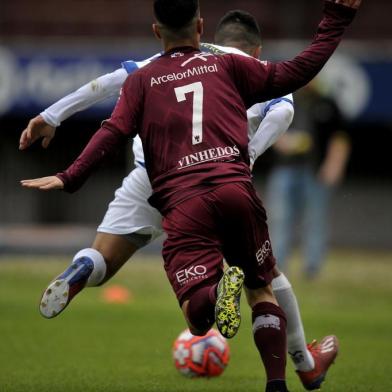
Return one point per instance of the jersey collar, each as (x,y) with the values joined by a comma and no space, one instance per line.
(181,49)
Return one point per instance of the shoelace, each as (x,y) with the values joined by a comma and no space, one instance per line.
(313,346)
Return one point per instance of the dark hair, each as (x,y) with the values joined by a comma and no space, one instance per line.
(175,14)
(240,28)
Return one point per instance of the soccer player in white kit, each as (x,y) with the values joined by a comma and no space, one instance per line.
(131,223)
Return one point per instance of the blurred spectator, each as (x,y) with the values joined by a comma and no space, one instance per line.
(310,161)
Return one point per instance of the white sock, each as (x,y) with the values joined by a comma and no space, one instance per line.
(296,342)
(99,270)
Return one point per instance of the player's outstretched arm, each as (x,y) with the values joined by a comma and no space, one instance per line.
(123,123)
(102,144)
(261,81)
(44,183)
(291,75)
(44,125)
(36,128)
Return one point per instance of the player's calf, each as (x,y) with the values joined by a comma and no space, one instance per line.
(269,332)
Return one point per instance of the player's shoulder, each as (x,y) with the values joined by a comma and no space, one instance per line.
(240,64)
(236,56)
(132,66)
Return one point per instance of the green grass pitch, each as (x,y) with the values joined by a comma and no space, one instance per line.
(98,347)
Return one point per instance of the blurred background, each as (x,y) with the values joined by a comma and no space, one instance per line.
(50,48)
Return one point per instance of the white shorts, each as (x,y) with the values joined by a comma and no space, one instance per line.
(129,212)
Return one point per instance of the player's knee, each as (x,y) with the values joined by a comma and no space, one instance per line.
(115,249)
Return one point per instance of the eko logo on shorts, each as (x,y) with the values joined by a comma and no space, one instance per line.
(263,252)
(195,272)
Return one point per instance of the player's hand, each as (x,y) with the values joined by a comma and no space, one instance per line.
(348,3)
(36,129)
(43,183)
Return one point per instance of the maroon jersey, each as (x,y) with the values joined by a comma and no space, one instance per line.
(190,113)
(189,109)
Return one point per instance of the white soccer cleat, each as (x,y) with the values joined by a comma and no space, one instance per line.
(61,291)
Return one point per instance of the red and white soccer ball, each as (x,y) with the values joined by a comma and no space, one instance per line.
(201,356)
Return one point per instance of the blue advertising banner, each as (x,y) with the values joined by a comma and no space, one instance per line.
(361,87)
(379,106)
(31,82)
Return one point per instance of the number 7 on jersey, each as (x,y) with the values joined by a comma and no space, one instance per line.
(197,118)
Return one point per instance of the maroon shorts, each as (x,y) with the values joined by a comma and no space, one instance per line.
(227,222)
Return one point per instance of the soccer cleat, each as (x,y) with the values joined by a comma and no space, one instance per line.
(61,291)
(324,354)
(227,307)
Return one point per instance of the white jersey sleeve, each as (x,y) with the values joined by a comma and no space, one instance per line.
(91,93)
(266,122)
(88,95)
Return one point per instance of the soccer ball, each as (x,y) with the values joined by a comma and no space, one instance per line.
(201,356)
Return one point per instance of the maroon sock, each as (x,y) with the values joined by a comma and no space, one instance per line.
(269,330)
(201,308)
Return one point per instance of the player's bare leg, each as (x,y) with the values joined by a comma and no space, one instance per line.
(269,332)
(117,250)
(90,267)
(311,361)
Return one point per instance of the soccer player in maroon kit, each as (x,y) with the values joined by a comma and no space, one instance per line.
(191,116)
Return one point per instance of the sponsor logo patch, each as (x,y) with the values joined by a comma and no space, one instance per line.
(213,154)
(263,252)
(195,272)
(194,71)
(266,321)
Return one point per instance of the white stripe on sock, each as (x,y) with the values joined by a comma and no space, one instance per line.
(99,270)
